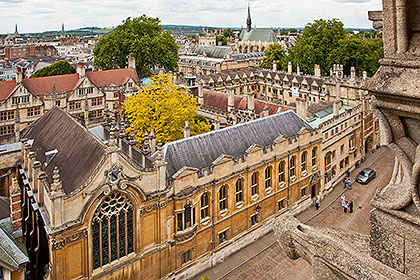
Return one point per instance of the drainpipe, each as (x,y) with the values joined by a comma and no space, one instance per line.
(288,181)
(212,221)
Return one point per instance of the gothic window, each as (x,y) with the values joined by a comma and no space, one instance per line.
(303,161)
(293,166)
(314,150)
(204,205)
(223,198)
(254,183)
(186,219)
(281,172)
(239,184)
(268,177)
(112,230)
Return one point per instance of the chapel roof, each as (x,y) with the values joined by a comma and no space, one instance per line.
(258,35)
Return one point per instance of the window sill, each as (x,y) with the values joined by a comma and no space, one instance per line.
(293,178)
(239,204)
(282,184)
(205,221)
(255,197)
(304,173)
(268,190)
(223,212)
(314,168)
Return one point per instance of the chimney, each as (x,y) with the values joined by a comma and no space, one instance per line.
(331,72)
(231,100)
(19,75)
(289,67)
(200,93)
(152,137)
(298,69)
(80,69)
(301,108)
(336,108)
(274,65)
(353,73)
(186,130)
(15,205)
(251,103)
(317,71)
(132,63)
(364,75)
(265,111)
(217,123)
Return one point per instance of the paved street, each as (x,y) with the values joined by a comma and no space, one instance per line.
(264,259)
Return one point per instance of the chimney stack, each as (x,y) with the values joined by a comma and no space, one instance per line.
(80,69)
(265,111)
(353,73)
(336,108)
(317,71)
(231,100)
(200,93)
(186,130)
(364,75)
(15,205)
(274,65)
(289,67)
(19,75)
(298,69)
(251,103)
(301,108)
(217,123)
(132,63)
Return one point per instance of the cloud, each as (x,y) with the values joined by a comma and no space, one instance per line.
(352,1)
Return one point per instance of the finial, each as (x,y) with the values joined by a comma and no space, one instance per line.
(56,176)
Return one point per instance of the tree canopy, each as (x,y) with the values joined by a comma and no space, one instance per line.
(165,108)
(221,40)
(58,68)
(326,42)
(142,38)
(228,33)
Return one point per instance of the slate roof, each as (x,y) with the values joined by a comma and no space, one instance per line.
(259,35)
(79,152)
(212,51)
(4,207)
(201,150)
(12,252)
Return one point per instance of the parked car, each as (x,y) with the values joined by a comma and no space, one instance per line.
(366,175)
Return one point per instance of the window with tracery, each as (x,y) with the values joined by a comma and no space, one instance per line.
(292,166)
(254,183)
(204,205)
(267,179)
(223,198)
(112,230)
(239,197)
(303,161)
(281,171)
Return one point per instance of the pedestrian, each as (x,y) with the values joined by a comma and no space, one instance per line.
(346,205)
(345,182)
(349,183)
(343,198)
(348,172)
(351,206)
(317,203)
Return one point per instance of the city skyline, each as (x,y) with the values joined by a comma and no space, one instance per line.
(41,15)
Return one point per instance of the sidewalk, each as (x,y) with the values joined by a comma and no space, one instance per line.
(257,248)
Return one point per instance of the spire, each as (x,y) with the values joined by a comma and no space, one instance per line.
(248,20)
(16,31)
(63,34)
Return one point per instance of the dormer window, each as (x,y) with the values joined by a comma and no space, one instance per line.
(49,156)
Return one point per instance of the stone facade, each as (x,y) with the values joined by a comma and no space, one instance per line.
(391,249)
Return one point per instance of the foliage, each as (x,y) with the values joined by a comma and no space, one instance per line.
(228,33)
(192,36)
(284,32)
(142,38)
(165,108)
(205,278)
(274,52)
(58,68)
(221,40)
(292,30)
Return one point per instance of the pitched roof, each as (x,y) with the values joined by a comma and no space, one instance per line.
(200,151)
(79,152)
(220,101)
(44,85)
(212,51)
(6,88)
(4,207)
(108,77)
(12,252)
(259,35)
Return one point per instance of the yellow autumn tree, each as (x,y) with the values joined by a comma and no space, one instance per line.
(165,108)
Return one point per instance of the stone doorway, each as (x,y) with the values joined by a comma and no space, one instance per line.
(368,144)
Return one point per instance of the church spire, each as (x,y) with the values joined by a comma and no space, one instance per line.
(16,29)
(63,34)
(248,20)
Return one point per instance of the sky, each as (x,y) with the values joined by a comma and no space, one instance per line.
(44,15)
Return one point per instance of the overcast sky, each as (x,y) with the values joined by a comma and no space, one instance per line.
(43,15)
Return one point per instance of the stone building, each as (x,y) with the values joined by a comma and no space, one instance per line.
(113,210)
(84,94)
(390,251)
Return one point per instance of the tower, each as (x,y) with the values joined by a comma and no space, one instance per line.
(16,30)
(63,34)
(248,20)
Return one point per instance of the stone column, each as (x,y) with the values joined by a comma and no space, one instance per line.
(289,67)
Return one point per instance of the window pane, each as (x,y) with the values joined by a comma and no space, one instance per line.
(121,233)
(113,235)
(130,231)
(96,246)
(104,231)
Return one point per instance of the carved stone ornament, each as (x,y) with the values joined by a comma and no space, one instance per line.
(116,178)
(60,243)
(114,175)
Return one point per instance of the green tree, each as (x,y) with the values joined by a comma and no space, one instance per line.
(58,68)
(142,38)
(316,45)
(165,108)
(221,40)
(274,52)
(228,33)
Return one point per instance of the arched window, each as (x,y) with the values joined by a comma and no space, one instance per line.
(314,150)
(303,161)
(112,230)
(254,183)
(267,179)
(204,209)
(292,166)
(327,159)
(223,198)
(239,184)
(281,172)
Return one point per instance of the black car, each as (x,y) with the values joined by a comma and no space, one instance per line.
(365,176)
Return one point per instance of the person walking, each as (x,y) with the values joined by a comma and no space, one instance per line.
(345,182)
(346,206)
(349,183)
(317,203)
(351,206)
(348,172)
